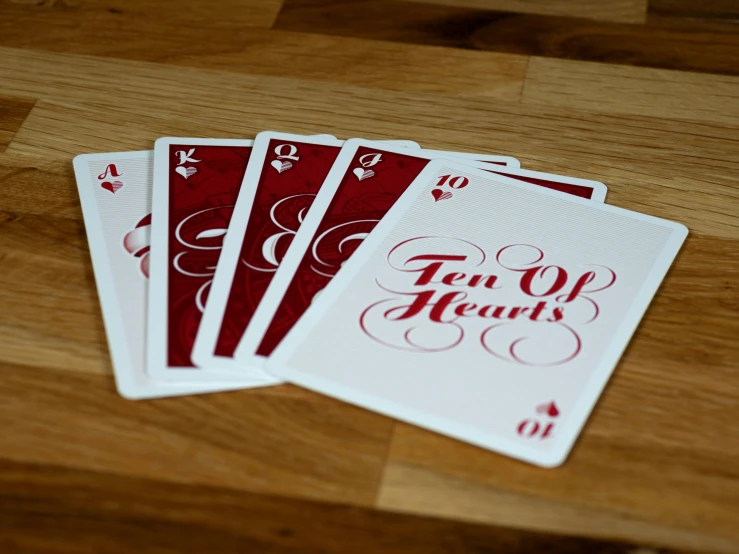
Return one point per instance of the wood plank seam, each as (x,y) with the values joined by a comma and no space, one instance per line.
(14,112)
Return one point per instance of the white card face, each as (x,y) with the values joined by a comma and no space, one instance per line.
(489,312)
(282,177)
(115,193)
(365,180)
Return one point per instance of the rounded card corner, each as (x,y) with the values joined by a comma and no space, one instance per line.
(162,142)
(554,459)
(129,393)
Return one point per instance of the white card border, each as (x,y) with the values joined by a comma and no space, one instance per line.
(570,431)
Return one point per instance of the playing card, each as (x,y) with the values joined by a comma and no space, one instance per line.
(490,312)
(115,193)
(196,183)
(363,183)
(282,178)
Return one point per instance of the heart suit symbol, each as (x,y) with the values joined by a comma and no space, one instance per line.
(550,409)
(439,194)
(112,186)
(363,174)
(186,172)
(281,166)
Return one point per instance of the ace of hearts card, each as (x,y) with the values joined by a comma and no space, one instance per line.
(491,312)
(115,193)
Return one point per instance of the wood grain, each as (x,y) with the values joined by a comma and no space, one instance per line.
(255,13)
(707,47)
(628,11)
(281,469)
(644,92)
(337,60)
(306,446)
(152,103)
(412,489)
(73,510)
(708,9)
(53,193)
(13,111)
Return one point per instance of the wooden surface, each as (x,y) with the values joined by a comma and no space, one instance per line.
(285,470)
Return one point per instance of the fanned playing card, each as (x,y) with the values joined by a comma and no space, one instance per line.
(362,185)
(282,178)
(115,192)
(487,311)
(196,183)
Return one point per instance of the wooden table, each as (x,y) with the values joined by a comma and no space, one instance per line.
(284,470)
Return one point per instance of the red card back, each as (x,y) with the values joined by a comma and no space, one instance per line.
(285,191)
(202,195)
(363,197)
